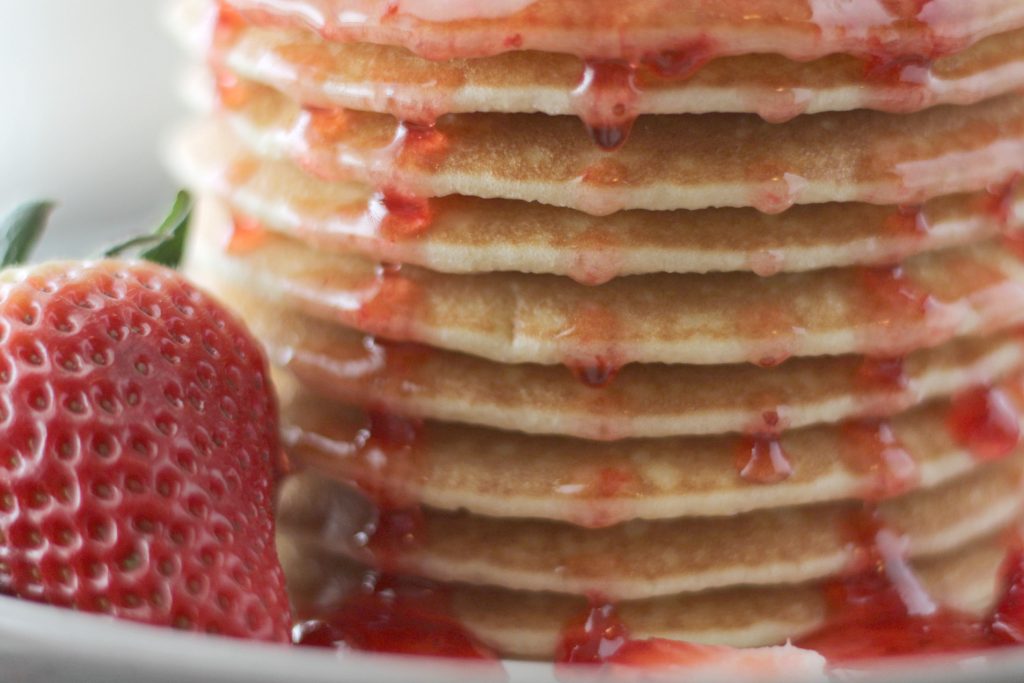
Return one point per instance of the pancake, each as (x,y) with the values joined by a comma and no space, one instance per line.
(700,319)
(522,624)
(393,80)
(472,235)
(649,400)
(642,558)
(670,162)
(800,29)
(506,474)
(526,371)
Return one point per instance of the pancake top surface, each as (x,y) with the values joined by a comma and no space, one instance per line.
(802,29)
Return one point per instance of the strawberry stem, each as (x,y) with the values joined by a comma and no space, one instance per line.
(20,231)
(167,243)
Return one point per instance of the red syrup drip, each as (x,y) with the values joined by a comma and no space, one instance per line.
(605,101)
(597,374)
(326,126)
(761,459)
(598,255)
(986,422)
(890,290)
(908,221)
(1006,625)
(247,234)
(415,145)
(1000,204)
(398,217)
(883,611)
(390,297)
(911,71)
(870,448)
(227,29)
(418,145)
(601,493)
(882,374)
(592,324)
(396,616)
(232,93)
(1001,200)
(593,637)
(392,534)
(682,63)
(389,448)
(610,482)
(774,330)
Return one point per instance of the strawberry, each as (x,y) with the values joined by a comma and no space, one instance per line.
(138,447)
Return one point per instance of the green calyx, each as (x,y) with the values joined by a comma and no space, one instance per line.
(21,230)
(166,244)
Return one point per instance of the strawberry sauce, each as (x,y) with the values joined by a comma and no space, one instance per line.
(884,611)
(891,291)
(594,636)
(870,448)
(396,616)
(908,221)
(388,298)
(608,94)
(760,459)
(592,325)
(389,447)
(882,374)
(247,234)
(399,217)
(597,374)
(986,422)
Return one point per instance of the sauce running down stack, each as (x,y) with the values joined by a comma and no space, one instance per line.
(595,324)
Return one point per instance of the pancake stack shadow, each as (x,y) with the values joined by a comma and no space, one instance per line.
(680,328)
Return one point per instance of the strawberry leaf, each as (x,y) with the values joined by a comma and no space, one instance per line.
(20,231)
(166,244)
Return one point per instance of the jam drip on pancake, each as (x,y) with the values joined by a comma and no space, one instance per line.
(389,446)
(247,234)
(608,91)
(872,449)
(883,610)
(594,636)
(760,459)
(591,326)
(986,422)
(393,615)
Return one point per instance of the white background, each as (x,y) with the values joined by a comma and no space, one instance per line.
(87,96)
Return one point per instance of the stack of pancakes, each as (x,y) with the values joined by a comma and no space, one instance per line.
(650,307)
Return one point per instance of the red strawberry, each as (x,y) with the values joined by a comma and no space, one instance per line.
(138,451)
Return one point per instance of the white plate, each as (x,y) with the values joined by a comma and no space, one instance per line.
(44,644)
